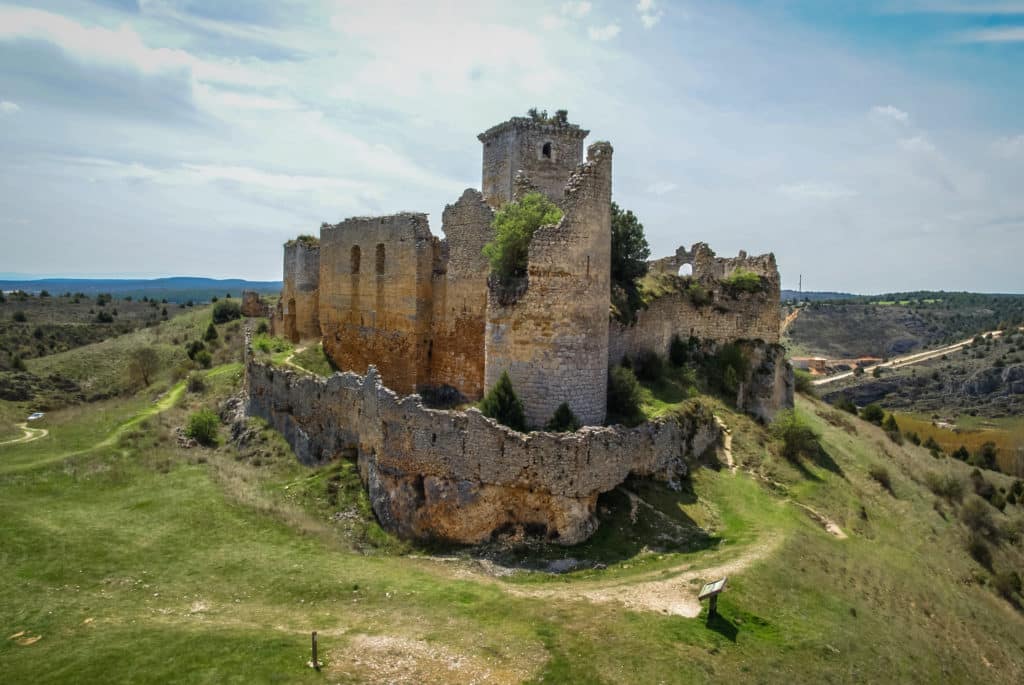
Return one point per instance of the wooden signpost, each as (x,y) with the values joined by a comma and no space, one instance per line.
(712,590)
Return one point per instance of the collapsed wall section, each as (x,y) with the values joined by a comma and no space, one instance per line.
(298,310)
(375,296)
(552,338)
(460,297)
(460,476)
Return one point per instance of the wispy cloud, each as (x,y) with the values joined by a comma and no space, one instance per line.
(918,143)
(602,33)
(815,190)
(889,112)
(8,107)
(576,10)
(1007,7)
(1010,147)
(1006,34)
(649,13)
(661,187)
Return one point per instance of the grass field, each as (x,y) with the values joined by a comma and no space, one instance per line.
(971,432)
(136,560)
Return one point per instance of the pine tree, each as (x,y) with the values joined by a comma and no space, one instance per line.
(211,333)
(563,420)
(502,405)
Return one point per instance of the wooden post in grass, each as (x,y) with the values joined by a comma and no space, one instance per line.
(711,590)
(315,663)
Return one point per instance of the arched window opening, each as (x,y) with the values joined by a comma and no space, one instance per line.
(546,150)
(686,270)
(357,256)
(380,258)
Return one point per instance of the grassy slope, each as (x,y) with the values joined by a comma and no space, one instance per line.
(144,562)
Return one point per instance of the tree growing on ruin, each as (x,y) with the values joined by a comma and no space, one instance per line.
(502,404)
(630,253)
(563,420)
(514,225)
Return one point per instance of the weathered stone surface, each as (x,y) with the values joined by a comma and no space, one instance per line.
(553,338)
(769,385)
(297,315)
(459,475)
(253,305)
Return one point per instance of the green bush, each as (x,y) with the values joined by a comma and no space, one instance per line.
(985,457)
(726,368)
(211,333)
(262,328)
(514,225)
(648,366)
(798,439)
(680,352)
(563,420)
(195,383)
(979,550)
(803,382)
(881,475)
(629,255)
(889,425)
(873,413)
(947,486)
(104,317)
(202,427)
(193,348)
(623,396)
(961,453)
(1008,584)
(226,310)
(502,405)
(698,295)
(743,280)
(19,316)
(846,404)
(18,364)
(204,359)
(977,516)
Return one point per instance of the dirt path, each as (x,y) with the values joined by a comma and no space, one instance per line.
(788,321)
(288,360)
(825,522)
(30,435)
(676,594)
(726,444)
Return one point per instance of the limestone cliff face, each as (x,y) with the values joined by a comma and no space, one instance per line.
(769,385)
(460,476)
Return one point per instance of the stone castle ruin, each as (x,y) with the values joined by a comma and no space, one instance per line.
(401,311)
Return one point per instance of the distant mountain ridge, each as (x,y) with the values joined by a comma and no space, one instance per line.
(173,289)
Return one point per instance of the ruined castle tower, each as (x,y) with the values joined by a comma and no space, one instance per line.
(547,151)
(300,296)
(553,337)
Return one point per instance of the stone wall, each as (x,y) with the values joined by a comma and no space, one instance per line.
(553,338)
(458,475)
(299,307)
(253,305)
(547,152)
(460,297)
(376,296)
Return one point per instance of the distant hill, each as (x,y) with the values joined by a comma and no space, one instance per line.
(796,296)
(174,289)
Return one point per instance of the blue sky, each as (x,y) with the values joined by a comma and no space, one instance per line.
(872,146)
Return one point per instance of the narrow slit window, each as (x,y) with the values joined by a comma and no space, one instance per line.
(380,258)
(357,257)
(546,150)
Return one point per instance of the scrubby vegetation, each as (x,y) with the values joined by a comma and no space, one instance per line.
(514,225)
(563,420)
(202,427)
(501,404)
(629,255)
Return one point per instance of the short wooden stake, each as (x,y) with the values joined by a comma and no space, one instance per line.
(712,606)
(316,664)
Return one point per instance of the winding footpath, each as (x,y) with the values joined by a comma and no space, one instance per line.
(31,434)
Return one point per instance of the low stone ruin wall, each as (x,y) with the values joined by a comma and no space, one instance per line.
(459,476)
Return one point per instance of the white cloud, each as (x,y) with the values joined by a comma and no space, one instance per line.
(955,7)
(1007,34)
(918,143)
(576,10)
(1010,147)
(550,22)
(661,187)
(815,190)
(8,107)
(891,113)
(604,32)
(649,13)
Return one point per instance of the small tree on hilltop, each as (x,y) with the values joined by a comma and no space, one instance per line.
(211,333)
(143,364)
(502,405)
(514,225)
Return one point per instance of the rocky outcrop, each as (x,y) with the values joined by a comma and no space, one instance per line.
(1008,380)
(769,384)
(459,476)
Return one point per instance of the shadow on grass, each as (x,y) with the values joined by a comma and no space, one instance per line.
(722,626)
(820,458)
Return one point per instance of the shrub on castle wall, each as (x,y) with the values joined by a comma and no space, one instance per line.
(563,420)
(623,397)
(743,281)
(502,404)
(514,225)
